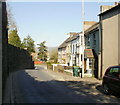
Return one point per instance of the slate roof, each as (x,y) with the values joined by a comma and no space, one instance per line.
(64,44)
(93,27)
(109,10)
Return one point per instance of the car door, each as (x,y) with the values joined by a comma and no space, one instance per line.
(114,80)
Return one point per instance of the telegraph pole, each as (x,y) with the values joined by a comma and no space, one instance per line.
(83,38)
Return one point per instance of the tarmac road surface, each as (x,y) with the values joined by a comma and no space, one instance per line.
(38,86)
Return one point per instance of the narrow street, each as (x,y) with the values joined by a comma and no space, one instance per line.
(41,86)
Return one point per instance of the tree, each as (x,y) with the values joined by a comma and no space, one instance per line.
(11,20)
(13,38)
(42,53)
(28,44)
(54,55)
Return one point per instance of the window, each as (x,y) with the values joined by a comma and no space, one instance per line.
(68,50)
(81,57)
(73,49)
(114,72)
(94,39)
(88,41)
(76,47)
(90,63)
(81,40)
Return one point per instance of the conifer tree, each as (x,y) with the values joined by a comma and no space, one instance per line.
(42,54)
(14,38)
(28,43)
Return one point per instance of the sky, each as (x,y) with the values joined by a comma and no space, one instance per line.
(51,21)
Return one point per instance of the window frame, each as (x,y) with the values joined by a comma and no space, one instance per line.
(111,75)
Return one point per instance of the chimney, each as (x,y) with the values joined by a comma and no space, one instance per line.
(104,8)
(116,3)
(72,33)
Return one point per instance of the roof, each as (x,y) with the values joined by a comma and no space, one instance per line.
(64,44)
(115,7)
(89,22)
(74,37)
(93,27)
(89,53)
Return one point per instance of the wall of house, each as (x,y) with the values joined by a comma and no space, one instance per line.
(60,55)
(119,36)
(64,57)
(90,42)
(76,52)
(75,58)
(109,40)
(80,49)
(68,52)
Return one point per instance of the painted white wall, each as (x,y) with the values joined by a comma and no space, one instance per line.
(79,50)
(87,64)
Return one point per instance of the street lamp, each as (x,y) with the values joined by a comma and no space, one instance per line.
(82,38)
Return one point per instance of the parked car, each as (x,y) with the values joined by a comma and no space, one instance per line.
(111,80)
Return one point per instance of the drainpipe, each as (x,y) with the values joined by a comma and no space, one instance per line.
(101,47)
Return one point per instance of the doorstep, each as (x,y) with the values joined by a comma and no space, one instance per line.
(87,75)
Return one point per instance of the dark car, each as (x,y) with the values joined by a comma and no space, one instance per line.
(111,80)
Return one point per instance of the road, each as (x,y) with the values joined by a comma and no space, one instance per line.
(38,86)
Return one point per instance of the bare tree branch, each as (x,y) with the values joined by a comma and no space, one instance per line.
(11,20)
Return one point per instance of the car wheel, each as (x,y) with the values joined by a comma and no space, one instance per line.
(106,89)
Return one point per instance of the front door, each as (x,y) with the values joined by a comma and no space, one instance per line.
(84,65)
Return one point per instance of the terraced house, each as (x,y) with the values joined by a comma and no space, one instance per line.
(92,48)
(102,43)
(62,55)
(70,51)
(110,38)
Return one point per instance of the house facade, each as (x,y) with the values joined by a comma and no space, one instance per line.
(68,52)
(102,42)
(92,49)
(71,49)
(74,50)
(110,38)
(62,52)
(62,55)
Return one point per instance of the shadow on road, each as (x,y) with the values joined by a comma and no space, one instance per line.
(100,89)
(37,90)
(89,92)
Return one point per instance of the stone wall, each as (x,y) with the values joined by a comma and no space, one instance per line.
(4,42)
(13,58)
(18,59)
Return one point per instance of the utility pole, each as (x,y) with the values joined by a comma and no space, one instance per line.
(82,38)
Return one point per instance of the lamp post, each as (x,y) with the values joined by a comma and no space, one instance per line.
(82,38)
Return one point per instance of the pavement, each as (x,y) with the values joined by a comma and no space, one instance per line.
(45,86)
(68,76)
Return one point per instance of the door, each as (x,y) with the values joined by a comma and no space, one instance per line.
(84,65)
